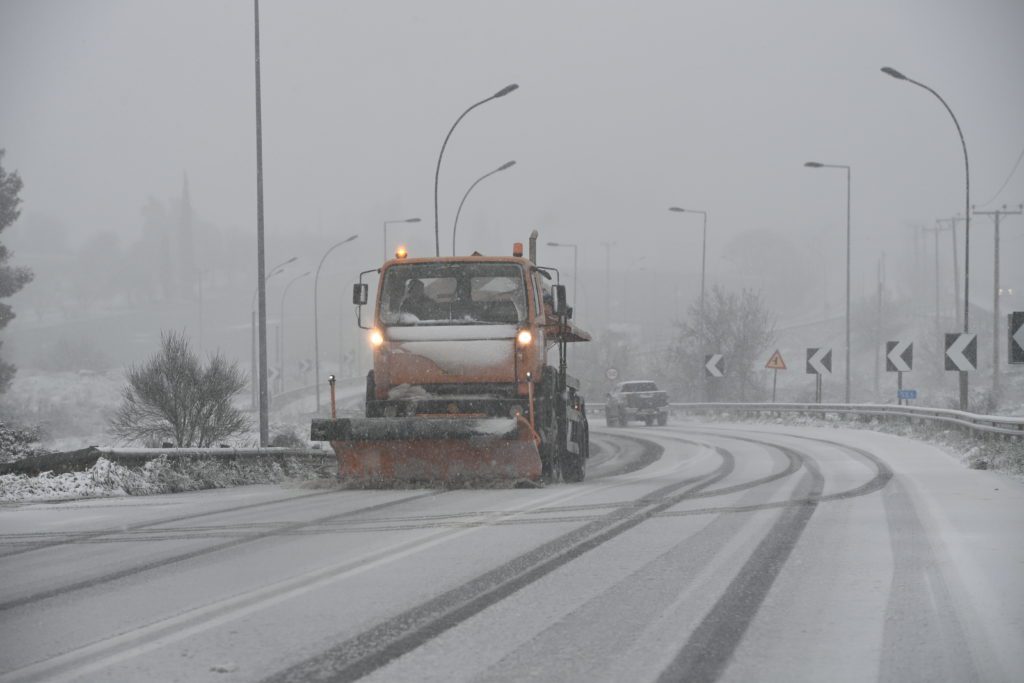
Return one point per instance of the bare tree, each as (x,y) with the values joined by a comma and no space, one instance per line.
(738,326)
(172,397)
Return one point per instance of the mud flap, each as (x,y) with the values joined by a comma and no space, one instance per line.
(446,450)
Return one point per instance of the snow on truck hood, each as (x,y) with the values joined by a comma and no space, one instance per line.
(477,348)
(450,332)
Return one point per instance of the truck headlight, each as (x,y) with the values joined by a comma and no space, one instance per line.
(376,338)
(524,337)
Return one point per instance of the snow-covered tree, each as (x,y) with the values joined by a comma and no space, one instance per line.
(12,278)
(174,398)
(738,326)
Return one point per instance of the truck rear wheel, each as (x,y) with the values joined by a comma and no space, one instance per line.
(574,464)
(547,427)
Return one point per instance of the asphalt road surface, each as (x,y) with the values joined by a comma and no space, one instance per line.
(692,552)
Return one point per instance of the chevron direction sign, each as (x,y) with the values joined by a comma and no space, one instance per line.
(1016,329)
(819,361)
(714,365)
(899,356)
(961,351)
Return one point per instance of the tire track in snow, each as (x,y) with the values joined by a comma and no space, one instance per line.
(374,648)
(159,564)
(37,542)
(709,648)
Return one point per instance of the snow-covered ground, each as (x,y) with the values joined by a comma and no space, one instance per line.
(743,552)
(1006,456)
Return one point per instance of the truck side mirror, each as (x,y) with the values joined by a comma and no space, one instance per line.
(559,302)
(360,294)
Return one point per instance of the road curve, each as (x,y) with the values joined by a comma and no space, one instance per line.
(698,552)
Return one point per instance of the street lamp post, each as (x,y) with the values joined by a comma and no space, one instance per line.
(437,173)
(575,263)
(257,380)
(815,164)
(608,282)
(260,251)
(387,252)
(967,216)
(455,227)
(703,263)
(316,326)
(280,342)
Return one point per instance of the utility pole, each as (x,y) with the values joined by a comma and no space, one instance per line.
(878,319)
(995,294)
(608,283)
(956,266)
(935,231)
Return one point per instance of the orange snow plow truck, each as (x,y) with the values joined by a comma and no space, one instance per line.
(461,391)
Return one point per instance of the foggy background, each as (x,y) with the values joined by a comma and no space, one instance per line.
(132,126)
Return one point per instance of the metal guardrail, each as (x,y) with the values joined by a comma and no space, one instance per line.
(983,424)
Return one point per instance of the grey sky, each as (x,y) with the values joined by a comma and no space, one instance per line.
(624,109)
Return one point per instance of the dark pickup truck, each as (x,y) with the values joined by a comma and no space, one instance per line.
(637,400)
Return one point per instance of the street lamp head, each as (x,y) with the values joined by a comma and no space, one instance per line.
(507,164)
(676,208)
(506,90)
(412,220)
(813,164)
(893,72)
(554,244)
(293,258)
(350,239)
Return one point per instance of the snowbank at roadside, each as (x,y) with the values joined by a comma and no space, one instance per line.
(162,475)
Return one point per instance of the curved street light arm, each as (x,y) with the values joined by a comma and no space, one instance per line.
(455,227)
(437,173)
(967,182)
(316,310)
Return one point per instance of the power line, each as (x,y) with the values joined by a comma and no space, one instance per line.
(1007,182)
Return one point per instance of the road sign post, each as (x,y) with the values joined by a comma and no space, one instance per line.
(819,362)
(714,365)
(961,351)
(899,358)
(775,363)
(1015,328)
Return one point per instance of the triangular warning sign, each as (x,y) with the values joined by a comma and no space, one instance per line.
(776,362)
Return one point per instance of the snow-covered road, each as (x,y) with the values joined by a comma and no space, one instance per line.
(692,552)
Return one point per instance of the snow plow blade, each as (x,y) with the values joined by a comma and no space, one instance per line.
(445,450)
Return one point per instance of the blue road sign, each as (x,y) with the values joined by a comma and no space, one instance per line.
(906,394)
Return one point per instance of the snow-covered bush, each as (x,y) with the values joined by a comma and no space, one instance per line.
(288,437)
(16,444)
(162,475)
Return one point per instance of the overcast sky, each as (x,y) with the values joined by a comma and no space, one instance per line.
(624,109)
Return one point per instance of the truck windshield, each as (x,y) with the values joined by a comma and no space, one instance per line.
(453,294)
